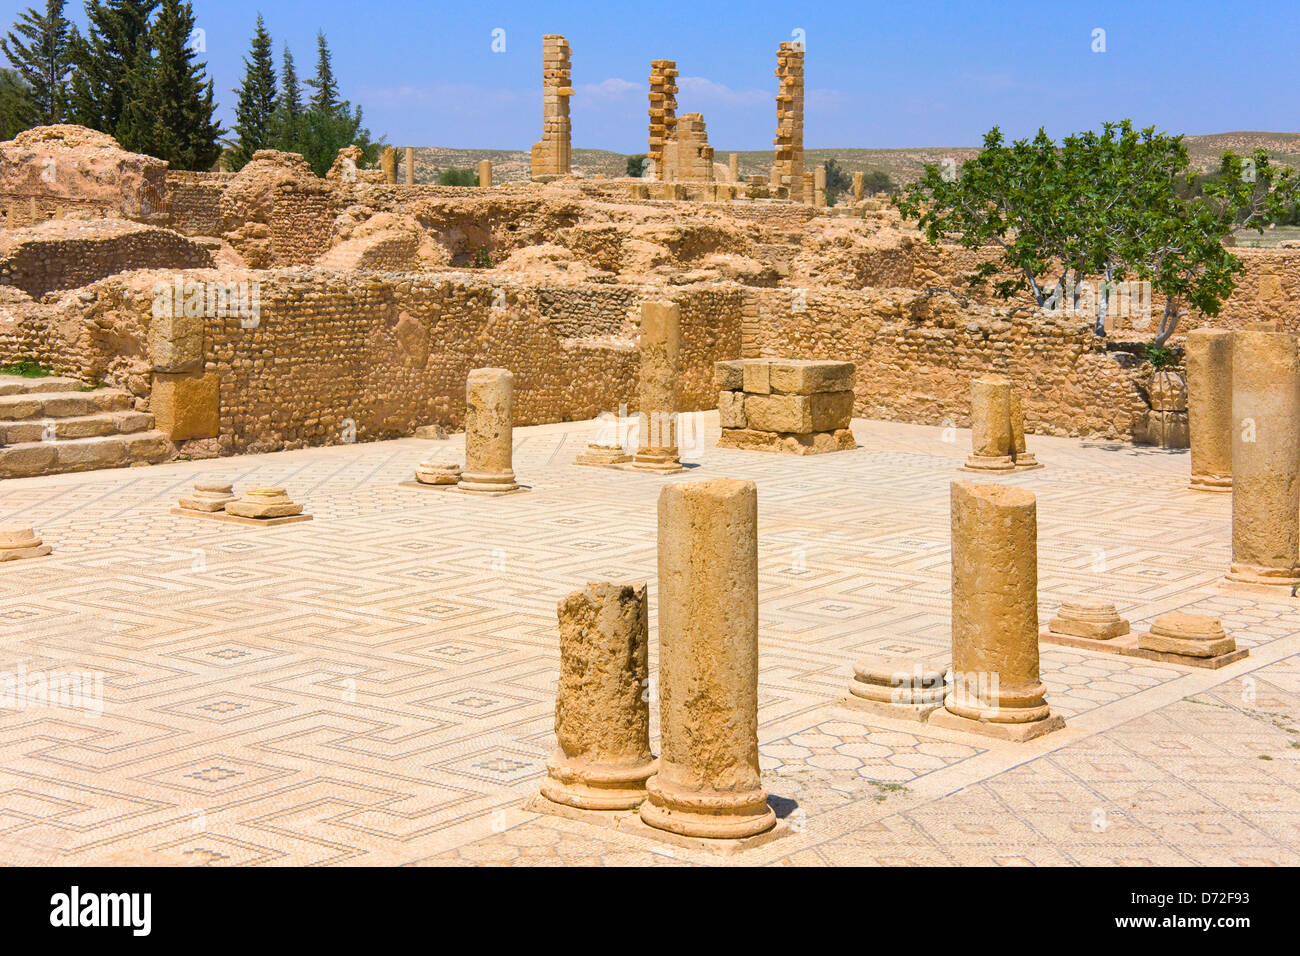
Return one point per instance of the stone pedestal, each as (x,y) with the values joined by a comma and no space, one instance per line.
(708,782)
(602,714)
(996,687)
(898,687)
(657,388)
(603,455)
(1187,635)
(1265,462)
(209,496)
(437,473)
(1209,408)
(263,502)
(1020,453)
(1095,620)
(20,541)
(489,434)
(792,406)
(990,423)
(484,173)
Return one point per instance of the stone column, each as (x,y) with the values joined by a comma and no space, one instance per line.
(733,167)
(1209,408)
(819,187)
(602,713)
(484,173)
(990,424)
(1265,460)
(489,438)
(708,782)
(388,163)
(1020,452)
(858,187)
(410,165)
(996,686)
(657,388)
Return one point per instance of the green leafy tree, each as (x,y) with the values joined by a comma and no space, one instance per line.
(636,165)
(17,111)
(1113,204)
(172,113)
(331,123)
(255,110)
(457,177)
(878,181)
(39,47)
(288,123)
(105,59)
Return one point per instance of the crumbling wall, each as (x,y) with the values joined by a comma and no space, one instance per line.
(194,208)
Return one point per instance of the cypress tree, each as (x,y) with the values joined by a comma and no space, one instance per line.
(105,60)
(287,123)
(39,49)
(17,110)
(326,97)
(255,110)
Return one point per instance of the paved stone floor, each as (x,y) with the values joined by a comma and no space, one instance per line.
(376,686)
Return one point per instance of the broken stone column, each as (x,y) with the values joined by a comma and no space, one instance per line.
(858,187)
(708,783)
(1020,453)
(1095,620)
(1265,461)
(210,495)
(663,111)
(996,687)
(21,541)
(437,473)
(388,163)
(602,710)
(819,187)
(657,388)
(551,156)
(733,167)
(1209,408)
(788,168)
(484,173)
(489,435)
(990,424)
(410,165)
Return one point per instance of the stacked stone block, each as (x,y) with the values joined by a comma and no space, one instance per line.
(552,156)
(788,170)
(688,157)
(793,406)
(663,110)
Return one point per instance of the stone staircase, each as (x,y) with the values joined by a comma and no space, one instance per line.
(49,425)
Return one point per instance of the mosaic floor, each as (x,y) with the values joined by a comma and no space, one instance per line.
(376,686)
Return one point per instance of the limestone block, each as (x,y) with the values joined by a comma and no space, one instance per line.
(729,376)
(437,473)
(187,406)
(756,376)
(708,783)
(1209,408)
(807,376)
(485,173)
(176,342)
(1168,391)
(21,541)
(210,495)
(602,714)
(1192,635)
(1167,429)
(731,410)
(1097,620)
(801,414)
(264,502)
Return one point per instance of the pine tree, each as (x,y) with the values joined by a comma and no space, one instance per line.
(331,123)
(171,115)
(105,58)
(257,101)
(17,110)
(326,97)
(38,48)
(287,123)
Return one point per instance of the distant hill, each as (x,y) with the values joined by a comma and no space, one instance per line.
(902,165)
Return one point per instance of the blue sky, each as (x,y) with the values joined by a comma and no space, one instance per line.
(878,74)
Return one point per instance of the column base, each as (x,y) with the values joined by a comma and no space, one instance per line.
(659,461)
(21,554)
(1219,483)
(1248,579)
(594,786)
(603,455)
(989,463)
(1025,461)
(1017,733)
(711,814)
(487,484)
(897,687)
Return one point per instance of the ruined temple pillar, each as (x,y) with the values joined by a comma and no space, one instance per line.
(733,167)
(657,388)
(1265,461)
(410,165)
(858,187)
(990,424)
(819,187)
(489,437)
(388,163)
(996,687)
(1209,408)
(602,712)
(788,155)
(708,783)
(484,173)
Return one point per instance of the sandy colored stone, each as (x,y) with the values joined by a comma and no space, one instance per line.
(209,496)
(657,387)
(729,376)
(995,606)
(437,473)
(708,783)
(1265,460)
(990,422)
(1020,452)
(1097,620)
(1192,635)
(176,341)
(489,434)
(409,163)
(264,502)
(807,376)
(800,414)
(1209,408)
(18,542)
(603,455)
(602,710)
(788,443)
(485,173)
(186,405)
(901,682)
(731,410)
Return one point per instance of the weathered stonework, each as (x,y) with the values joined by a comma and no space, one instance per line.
(489,445)
(657,388)
(18,542)
(1209,408)
(795,406)
(552,154)
(788,169)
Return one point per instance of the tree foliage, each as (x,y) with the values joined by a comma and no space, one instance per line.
(17,111)
(255,110)
(40,49)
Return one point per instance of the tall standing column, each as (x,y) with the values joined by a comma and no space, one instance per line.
(819,187)
(990,424)
(859,187)
(996,685)
(788,169)
(708,783)
(388,163)
(602,713)
(733,167)
(489,436)
(657,388)
(1209,408)
(485,173)
(1265,461)
(410,165)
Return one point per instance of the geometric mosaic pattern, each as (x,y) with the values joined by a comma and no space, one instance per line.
(376,686)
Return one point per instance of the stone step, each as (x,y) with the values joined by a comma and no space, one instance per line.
(36,405)
(29,459)
(17,385)
(80,426)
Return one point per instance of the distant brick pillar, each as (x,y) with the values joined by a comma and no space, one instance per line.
(410,165)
